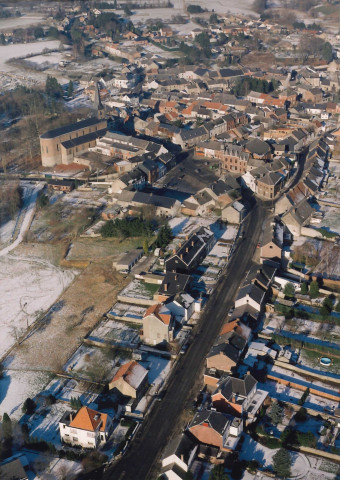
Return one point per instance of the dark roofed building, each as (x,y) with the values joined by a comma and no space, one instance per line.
(251,294)
(233,395)
(216,429)
(61,185)
(223,357)
(173,283)
(190,254)
(258,149)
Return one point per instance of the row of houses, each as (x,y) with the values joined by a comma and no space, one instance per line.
(233,400)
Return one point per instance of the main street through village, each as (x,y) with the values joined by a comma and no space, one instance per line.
(140,460)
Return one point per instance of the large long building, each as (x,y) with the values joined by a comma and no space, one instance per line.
(62,144)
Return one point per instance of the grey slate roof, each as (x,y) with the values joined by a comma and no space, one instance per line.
(253,291)
(216,420)
(227,350)
(173,283)
(56,132)
(257,146)
(230,386)
(89,137)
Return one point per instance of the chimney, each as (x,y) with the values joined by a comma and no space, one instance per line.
(192,243)
(233,399)
(181,256)
(71,417)
(176,276)
(186,237)
(174,251)
(187,249)
(165,287)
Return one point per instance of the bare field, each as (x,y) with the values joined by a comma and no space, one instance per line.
(101,249)
(59,221)
(78,309)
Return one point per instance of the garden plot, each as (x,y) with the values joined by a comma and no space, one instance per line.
(310,360)
(291,395)
(44,424)
(139,290)
(93,364)
(115,333)
(16,386)
(48,467)
(64,389)
(128,312)
(29,286)
(301,465)
(321,330)
(331,220)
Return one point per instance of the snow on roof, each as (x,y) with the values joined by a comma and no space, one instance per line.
(238,206)
(132,372)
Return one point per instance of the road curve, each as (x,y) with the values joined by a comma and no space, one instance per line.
(144,451)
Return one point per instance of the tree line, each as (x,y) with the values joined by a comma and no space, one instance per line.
(248,84)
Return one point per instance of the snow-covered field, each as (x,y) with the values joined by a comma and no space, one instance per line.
(28,287)
(6,231)
(19,22)
(51,59)
(16,386)
(20,49)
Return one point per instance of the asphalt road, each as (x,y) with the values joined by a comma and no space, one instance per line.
(145,449)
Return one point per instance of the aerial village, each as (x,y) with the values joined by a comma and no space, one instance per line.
(171,274)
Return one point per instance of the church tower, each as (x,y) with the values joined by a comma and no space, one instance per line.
(98,106)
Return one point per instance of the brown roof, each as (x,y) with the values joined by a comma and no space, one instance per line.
(88,419)
(156,311)
(123,370)
(228,327)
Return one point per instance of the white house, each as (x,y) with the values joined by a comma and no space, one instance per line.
(87,428)
(182,307)
(233,213)
(178,457)
(250,295)
(250,181)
